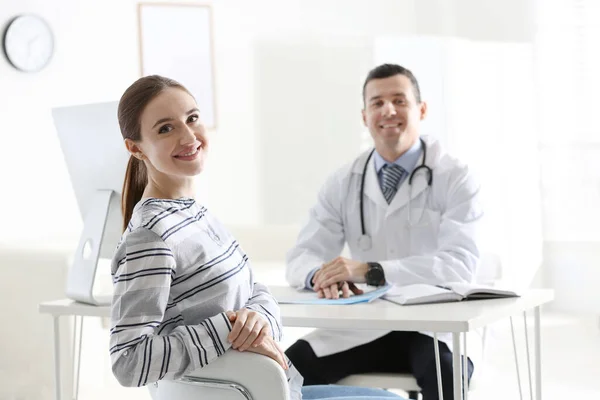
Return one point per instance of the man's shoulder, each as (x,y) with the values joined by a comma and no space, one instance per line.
(353,166)
(443,162)
(456,174)
(450,164)
(340,178)
(448,168)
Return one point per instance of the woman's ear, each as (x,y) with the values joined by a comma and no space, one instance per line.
(134,149)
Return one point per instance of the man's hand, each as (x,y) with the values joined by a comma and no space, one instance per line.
(270,348)
(333,292)
(339,270)
(249,329)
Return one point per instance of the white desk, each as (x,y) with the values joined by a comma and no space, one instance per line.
(457,318)
(380,314)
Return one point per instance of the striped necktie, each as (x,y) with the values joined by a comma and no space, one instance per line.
(391,174)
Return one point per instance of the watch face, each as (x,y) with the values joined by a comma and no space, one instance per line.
(375,276)
(28,43)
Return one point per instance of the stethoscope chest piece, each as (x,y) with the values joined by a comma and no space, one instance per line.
(364,242)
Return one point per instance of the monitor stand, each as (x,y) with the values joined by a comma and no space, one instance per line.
(82,274)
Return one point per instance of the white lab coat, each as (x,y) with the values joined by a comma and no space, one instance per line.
(441,247)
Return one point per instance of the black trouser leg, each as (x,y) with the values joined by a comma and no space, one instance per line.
(396,352)
(385,354)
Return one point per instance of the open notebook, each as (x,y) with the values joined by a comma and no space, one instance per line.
(458,291)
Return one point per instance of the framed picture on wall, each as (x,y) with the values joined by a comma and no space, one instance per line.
(176,41)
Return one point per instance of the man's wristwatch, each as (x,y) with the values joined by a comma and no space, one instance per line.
(375,275)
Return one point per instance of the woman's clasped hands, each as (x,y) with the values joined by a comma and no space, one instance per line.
(251,332)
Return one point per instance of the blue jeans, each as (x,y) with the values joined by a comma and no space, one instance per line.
(338,392)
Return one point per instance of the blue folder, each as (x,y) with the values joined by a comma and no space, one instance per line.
(310,297)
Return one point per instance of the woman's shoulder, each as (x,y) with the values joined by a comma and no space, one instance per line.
(140,242)
(159,215)
(146,226)
(173,221)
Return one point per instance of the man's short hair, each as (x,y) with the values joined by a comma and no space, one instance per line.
(385,71)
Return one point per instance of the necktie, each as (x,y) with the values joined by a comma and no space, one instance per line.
(391,174)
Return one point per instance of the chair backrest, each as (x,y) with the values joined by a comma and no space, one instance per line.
(230,377)
(176,390)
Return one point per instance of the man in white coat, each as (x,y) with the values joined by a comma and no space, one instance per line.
(409,213)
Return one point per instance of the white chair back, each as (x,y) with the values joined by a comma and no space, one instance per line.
(233,376)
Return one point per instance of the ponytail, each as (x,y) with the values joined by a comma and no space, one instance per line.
(136,179)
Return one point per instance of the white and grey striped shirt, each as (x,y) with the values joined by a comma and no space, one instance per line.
(175,273)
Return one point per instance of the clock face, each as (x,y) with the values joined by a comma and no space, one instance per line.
(28,43)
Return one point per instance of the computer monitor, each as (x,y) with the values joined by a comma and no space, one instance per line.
(96,160)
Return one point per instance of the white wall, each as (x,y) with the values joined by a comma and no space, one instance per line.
(488,20)
(567,38)
(480,95)
(288,80)
(26,343)
(92,62)
(97,57)
(316,54)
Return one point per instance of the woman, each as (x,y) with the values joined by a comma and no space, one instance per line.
(184,291)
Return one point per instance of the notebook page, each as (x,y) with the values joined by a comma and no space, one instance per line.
(468,289)
(419,294)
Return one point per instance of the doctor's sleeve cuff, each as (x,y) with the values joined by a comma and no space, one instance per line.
(390,271)
(309,283)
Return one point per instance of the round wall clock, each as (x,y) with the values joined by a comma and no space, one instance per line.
(28,43)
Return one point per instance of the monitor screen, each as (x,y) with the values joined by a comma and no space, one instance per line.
(96,159)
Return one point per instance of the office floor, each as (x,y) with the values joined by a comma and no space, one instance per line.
(571,362)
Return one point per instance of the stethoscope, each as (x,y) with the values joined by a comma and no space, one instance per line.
(364,241)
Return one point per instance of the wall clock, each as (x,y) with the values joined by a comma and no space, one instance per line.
(28,43)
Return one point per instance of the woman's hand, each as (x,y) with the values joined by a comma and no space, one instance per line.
(249,330)
(270,348)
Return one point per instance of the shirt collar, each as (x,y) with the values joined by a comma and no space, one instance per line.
(407,161)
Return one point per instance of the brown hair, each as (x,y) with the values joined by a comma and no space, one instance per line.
(387,70)
(131,106)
